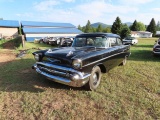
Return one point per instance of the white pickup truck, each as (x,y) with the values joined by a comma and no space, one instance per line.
(130,40)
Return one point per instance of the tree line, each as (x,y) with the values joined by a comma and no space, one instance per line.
(122,29)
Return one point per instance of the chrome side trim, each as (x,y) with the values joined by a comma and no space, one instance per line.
(101,59)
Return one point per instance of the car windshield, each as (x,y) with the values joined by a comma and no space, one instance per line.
(90,41)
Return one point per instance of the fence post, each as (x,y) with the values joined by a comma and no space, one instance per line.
(23,41)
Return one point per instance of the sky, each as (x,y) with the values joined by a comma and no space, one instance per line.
(78,12)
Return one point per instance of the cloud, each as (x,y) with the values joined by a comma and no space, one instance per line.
(45,5)
(93,10)
(69,0)
(156,9)
(135,2)
(24,15)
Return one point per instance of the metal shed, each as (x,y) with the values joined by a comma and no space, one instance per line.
(9,28)
(45,24)
(35,30)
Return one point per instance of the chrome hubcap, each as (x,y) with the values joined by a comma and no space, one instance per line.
(95,79)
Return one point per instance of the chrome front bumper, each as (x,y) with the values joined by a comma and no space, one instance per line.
(60,74)
(156,53)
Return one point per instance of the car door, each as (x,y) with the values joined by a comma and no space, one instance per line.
(116,50)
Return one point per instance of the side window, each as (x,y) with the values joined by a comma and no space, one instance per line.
(113,41)
(119,42)
(108,42)
(79,42)
(90,42)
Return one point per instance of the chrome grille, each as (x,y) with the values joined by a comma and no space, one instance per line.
(54,72)
(53,60)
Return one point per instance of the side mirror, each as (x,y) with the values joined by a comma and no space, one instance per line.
(159,42)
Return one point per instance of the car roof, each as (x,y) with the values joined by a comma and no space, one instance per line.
(98,34)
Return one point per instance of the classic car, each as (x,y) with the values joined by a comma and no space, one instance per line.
(130,40)
(44,40)
(156,47)
(54,41)
(83,63)
(66,42)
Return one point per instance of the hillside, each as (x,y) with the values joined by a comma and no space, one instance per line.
(95,25)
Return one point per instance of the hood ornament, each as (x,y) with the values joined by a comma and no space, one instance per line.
(70,53)
(49,51)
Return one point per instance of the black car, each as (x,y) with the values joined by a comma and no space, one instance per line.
(82,64)
(156,47)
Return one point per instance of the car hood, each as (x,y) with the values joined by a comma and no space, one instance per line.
(67,54)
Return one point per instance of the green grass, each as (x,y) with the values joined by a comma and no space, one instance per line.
(126,92)
(2,41)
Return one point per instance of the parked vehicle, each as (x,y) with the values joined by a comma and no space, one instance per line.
(156,47)
(44,40)
(83,63)
(54,41)
(130,40)
(66,42)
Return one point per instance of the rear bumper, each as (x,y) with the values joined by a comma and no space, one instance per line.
(64,75)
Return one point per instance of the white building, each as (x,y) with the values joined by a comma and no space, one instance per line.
(158,33)
(141,34)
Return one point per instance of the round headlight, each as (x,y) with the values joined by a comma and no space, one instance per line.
(37,57)
(77,64)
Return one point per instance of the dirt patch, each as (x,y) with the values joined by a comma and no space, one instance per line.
(6,56)
(8,45)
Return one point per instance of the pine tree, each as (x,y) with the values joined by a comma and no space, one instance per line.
(117,26)
(79,27)
(134,27)
(93,29)
(88,27)
(125,31)
(99,29)
(152,27)
(107,30)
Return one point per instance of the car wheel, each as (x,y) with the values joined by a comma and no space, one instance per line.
(94,79)
(124,61)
